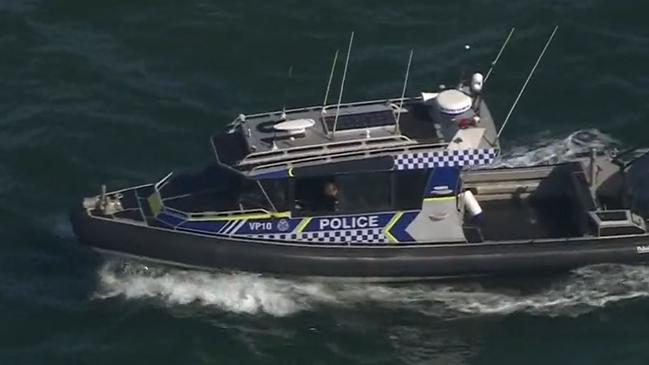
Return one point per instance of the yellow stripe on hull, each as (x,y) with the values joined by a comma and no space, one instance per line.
(439,199)
(388,227)
(300,227)
(238,217)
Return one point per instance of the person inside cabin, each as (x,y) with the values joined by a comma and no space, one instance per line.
(330,197)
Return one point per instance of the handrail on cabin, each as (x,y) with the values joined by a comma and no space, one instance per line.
(318,148)
(340,156)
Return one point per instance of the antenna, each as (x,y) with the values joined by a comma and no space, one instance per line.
(495,61)
(403,91)
(491,69)
(331,76)
(529,77)
(342,84)
(290,75)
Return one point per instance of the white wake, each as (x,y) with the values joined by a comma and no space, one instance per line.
(549,151)
(580,292)
(236,292)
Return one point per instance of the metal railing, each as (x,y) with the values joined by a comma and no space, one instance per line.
(325,148)
(350,155)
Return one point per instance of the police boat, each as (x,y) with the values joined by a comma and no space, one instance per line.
(335,190)
(377,201)
(389,189)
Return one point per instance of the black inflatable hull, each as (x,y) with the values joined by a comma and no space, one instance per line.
(390,262)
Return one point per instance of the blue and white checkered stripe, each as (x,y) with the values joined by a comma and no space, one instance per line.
(369,235)
(272,236)
(444,158)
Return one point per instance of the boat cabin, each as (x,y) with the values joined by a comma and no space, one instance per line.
(368,186)
(371,202)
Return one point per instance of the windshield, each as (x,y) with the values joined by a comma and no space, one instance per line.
(214,189)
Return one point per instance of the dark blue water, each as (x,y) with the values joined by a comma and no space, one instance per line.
(122,92)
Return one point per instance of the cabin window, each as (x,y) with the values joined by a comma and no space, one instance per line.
(213,190)
(211,178)
(359,192)
(365,192)
(251,196)
(277,190)
(345,193)
(409,186)
(310,195)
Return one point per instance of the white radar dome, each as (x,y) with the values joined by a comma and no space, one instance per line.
(453,102)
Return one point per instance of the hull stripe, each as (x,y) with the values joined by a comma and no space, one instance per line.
(388,227)
(237,225)
(302,225)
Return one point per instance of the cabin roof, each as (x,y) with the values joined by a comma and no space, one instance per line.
(304,134)
(353,121)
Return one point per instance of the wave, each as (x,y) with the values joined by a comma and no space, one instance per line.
(582,291)
(240,292)
(551,151)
